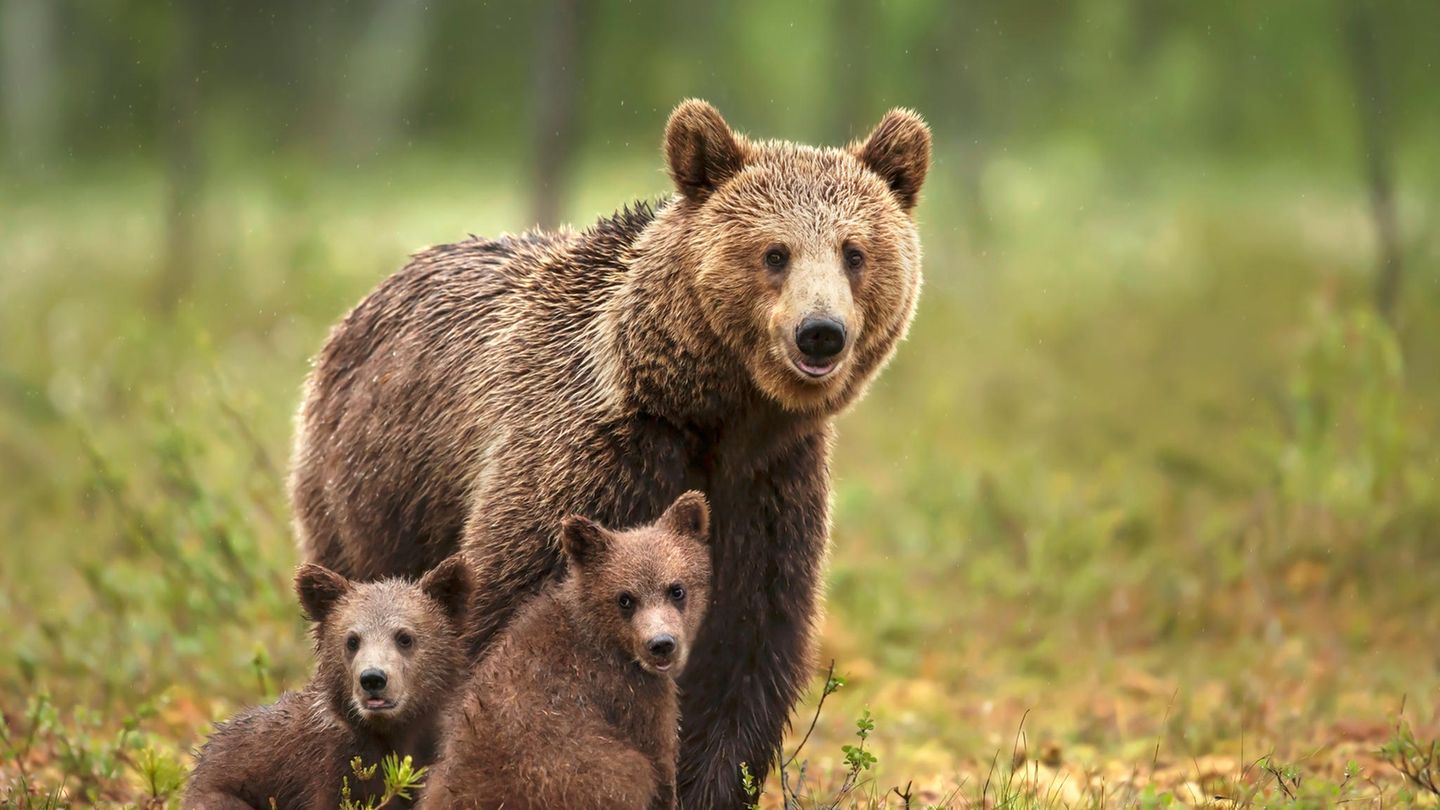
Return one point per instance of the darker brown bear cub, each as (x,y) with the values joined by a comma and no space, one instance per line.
(576,705)
(388,661)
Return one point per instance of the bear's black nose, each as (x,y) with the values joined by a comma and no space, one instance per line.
(372,680)
(661,646)
(820,339)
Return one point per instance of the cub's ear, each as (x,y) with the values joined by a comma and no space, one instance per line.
(319,589)
(899,151)
(700,149)
(585,540)
(450,584)
(689,516)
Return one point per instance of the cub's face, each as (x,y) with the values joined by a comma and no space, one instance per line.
(809,259)
(387,649)
(645,590)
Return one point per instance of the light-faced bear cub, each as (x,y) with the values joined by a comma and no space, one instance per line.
(389,660)
(576,706)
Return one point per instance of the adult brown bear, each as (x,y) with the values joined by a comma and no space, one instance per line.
(490,388)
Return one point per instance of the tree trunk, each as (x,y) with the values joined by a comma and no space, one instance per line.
(962,121)
(557,94)
(27,79)
(381,72)
(852,70)
(1379,163)
(182,162)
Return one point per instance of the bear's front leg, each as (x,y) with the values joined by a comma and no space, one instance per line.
(753,657)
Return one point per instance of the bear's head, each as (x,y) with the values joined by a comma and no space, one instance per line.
(386,651)
(807,259)
(643,592)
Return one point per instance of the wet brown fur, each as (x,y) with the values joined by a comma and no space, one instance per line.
(298,749)
(491,387)
(563,712)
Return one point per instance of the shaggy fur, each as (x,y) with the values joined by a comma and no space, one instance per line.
(572,707)
(296,750)
(492,387)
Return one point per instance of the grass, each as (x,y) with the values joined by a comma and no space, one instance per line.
(1144,513)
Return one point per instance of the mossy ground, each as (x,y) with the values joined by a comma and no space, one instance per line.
(1145,512)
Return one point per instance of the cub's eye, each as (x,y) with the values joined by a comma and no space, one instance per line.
(626,602)
(776,258)
(854,258)
(405,640)
(352,642)
(677,593)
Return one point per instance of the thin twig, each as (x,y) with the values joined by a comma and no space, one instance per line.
(825,692)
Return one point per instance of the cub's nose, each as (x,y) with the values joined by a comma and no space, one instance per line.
(820,339)
(372,680)
(661,646)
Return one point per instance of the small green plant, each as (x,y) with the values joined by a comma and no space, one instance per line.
(363,773)
(261,665)
(748,784)
(399,776)
(1418,760)
(20,794)
(856,757)
(1154,799)
(1287,776)
(39,711)
(161,772)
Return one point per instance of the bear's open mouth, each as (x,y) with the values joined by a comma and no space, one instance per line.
(374,704)
(658,666)
(815,370)
(812,370)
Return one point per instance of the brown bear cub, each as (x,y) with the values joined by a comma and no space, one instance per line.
(576,706)
(389,658)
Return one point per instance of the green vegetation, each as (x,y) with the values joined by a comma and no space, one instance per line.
(1144,513)
(1152,474)
(401,780)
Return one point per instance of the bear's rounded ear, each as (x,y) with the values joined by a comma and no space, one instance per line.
(319,590)
(701,151)
(899,151)
(689,516)
(450,584)
(585,540)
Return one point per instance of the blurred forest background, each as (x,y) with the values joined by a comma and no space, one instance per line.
(1145,511)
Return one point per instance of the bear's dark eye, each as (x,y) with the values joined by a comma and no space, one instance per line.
(626,602)
(776,258)
(677,593)
(405,640)
(352,642)
(854,258)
